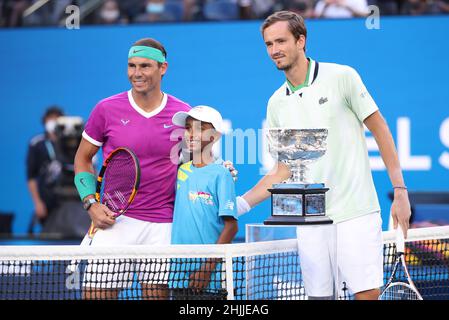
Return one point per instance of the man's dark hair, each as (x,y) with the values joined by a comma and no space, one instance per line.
(296,23)
(149,42)
(52,111)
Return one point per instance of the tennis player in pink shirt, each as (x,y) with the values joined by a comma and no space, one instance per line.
(139,119)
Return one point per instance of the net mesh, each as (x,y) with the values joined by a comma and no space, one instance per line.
(268,270)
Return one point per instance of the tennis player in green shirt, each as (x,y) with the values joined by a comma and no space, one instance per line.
(333,96)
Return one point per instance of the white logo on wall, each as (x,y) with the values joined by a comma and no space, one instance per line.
(409,161)
(444,137)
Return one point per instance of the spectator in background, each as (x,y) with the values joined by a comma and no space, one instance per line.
(193,10)
(109,13)
(245,11)
(228,10)
(260,9)
(13,12)
(200,10)
(388,7)
(341,9)
(132,8)
(443,5)
(50,177)
(2,16)
(414,7)
(161,11)
(423,7)
(302,7)
(43,167)
(48,14)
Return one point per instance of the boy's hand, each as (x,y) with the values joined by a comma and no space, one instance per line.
(200,279)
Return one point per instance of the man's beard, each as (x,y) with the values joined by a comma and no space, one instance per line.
(285,68)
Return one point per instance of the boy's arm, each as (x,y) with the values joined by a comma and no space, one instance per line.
(201,278)
(229,231)
(225,191)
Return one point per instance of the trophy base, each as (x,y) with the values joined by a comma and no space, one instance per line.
(301,220)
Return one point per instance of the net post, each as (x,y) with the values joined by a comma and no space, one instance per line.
(229,276)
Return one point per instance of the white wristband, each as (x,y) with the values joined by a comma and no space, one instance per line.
(242,206)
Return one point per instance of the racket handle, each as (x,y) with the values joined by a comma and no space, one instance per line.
(400,241)
(91,231)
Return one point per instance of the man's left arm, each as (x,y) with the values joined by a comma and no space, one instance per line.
(400,208)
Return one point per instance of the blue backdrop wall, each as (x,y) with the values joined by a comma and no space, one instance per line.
(404,64)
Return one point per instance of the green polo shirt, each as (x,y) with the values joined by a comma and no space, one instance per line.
(333,96)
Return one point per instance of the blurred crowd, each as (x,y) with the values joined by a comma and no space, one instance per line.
(16,13)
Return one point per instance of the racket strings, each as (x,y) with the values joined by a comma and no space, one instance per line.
(119,181)
(399,285)
(399,291)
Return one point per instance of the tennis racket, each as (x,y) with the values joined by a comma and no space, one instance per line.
(400,286)
(117,182)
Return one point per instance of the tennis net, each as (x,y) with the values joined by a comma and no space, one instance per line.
(268,270)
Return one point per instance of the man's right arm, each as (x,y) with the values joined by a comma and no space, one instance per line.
(260,192)
(101,216)
(84,155)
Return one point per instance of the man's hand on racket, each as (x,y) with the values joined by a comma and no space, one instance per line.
(102,217)
(400,210)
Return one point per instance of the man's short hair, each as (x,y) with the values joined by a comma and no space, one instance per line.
(52,111)
(296,23)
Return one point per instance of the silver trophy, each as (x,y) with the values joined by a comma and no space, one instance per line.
(299,200)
